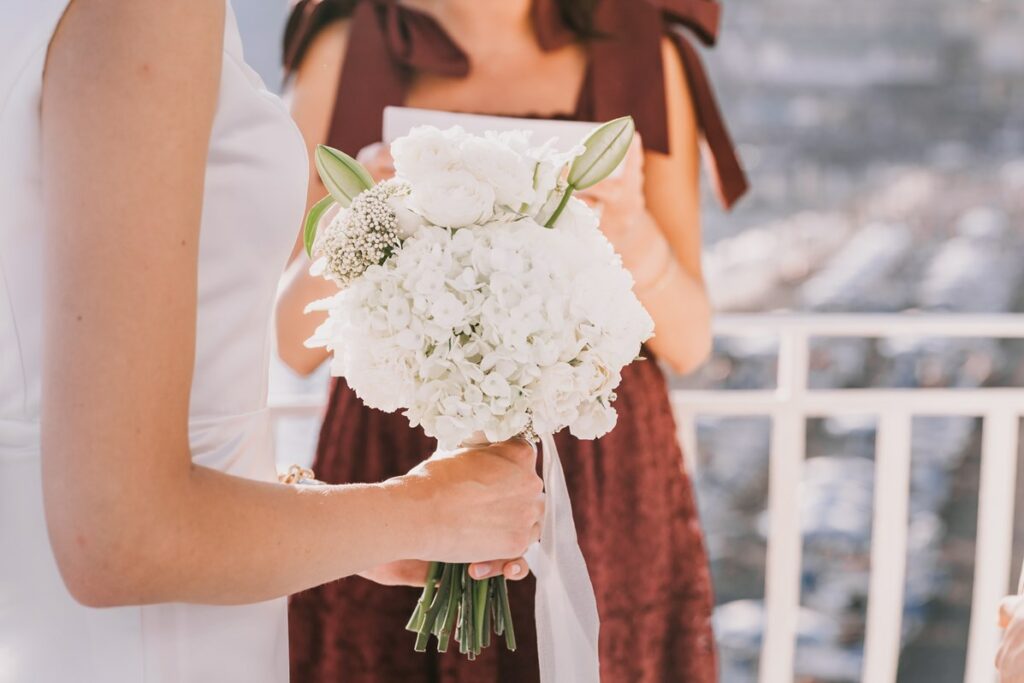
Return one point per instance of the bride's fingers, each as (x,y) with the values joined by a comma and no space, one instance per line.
(511,569)
(400,573)
(516,570)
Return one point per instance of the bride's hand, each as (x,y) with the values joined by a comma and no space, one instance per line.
(477,503)
(414,572)
(377,160)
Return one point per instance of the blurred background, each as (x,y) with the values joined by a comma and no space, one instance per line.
(885,144)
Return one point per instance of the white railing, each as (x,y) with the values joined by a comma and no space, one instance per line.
(789,406)
(792,402)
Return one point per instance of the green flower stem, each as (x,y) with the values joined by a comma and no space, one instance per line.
(454,593)
(496,614)
(455,605)
(506,614)
(488,615)
(480,596)
(561,206)
(436,615)
(465,632)
(419,617)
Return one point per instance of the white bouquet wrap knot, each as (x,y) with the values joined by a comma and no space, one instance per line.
(480,298)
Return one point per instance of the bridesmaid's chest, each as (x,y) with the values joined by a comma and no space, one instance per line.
(541,84)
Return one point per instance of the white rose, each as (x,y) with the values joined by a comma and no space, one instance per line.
(453,199)
(425,151)
(493,162)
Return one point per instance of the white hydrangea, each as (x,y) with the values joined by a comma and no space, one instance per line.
(490,329)
(484,321)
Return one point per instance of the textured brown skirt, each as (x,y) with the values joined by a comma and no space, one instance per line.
(637,525)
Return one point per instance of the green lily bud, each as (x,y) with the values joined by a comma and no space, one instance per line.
(604,150)
(344,177)
(313,222)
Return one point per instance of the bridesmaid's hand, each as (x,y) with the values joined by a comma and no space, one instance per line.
(414,572)
(377,160)
(620,198)
(1010,659)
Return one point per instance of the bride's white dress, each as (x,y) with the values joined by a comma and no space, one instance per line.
(255,188)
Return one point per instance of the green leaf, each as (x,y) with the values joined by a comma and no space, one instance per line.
(344,177)
(313,222)
(604,150)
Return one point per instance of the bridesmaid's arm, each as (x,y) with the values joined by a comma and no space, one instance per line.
(311,99)
(656,229)
(129,98)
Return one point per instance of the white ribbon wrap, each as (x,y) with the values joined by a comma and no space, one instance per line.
(567,620)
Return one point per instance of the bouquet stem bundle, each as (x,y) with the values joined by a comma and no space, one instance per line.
(465,304)
(455,604)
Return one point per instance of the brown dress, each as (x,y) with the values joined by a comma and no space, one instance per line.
(632,502)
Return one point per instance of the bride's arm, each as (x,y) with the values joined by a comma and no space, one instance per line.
(129,97)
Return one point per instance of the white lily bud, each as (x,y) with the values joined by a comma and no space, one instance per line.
(604,150)
(344,177)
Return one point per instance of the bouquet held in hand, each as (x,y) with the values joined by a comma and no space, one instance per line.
(480,298)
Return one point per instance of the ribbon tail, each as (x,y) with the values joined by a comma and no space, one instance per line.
(566,609)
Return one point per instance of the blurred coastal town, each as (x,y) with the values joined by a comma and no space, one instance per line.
(885,143)
(886,148)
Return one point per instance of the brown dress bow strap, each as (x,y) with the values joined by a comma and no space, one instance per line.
(388,42)
(630,78)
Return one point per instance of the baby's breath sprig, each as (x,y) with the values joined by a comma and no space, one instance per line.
(345,179)
(363,235)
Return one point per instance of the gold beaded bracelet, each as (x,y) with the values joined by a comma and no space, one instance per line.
(299,476)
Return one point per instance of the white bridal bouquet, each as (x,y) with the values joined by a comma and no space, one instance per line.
(479,297)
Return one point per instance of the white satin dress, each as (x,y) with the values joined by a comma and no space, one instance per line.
(254,194)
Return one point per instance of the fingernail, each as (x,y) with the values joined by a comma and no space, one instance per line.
(515,569)
(482,570)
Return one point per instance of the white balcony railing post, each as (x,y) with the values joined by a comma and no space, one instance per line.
(994,539)
(782,582)
(888,548)
(789,406)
